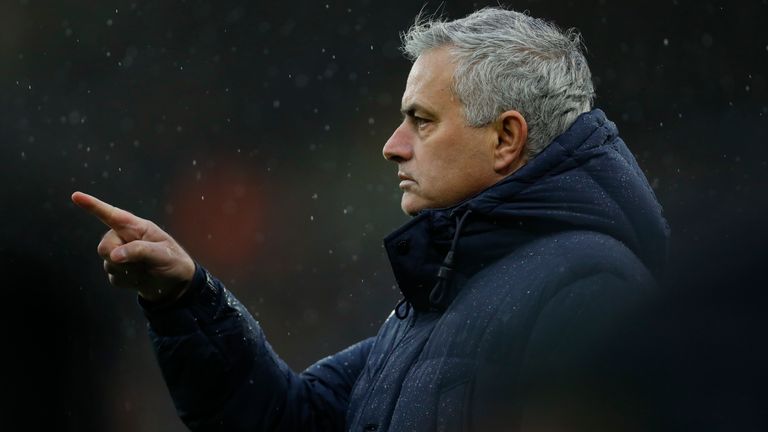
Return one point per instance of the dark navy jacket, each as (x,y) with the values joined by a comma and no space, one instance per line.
(508,296)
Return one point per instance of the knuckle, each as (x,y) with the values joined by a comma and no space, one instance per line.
(106,244)
(149,228)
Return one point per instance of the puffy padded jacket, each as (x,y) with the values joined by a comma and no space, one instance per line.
(513,303)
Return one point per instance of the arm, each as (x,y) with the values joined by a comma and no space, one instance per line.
(221,372)
(223,375)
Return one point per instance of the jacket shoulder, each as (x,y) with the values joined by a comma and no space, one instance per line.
(568,256)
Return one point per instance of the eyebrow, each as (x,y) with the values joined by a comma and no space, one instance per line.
(410,109)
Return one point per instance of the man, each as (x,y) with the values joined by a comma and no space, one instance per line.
(535,236)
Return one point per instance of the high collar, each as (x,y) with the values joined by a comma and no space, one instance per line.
(586,179)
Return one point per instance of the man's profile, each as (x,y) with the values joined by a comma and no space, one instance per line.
(534,234)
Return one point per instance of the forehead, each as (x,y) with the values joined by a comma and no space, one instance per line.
(430,81)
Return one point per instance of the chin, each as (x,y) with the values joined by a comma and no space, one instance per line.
(412,205)
(409,212)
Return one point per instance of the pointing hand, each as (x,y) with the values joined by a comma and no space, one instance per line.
(138,254)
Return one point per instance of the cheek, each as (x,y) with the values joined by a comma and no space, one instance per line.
(455,158)
(462,167)
(435,173)
(442,181)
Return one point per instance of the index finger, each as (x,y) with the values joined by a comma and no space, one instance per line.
(110,215)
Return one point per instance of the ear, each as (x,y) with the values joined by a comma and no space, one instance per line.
(512,132)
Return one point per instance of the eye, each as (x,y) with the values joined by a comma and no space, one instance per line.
(417,121)
(420,121)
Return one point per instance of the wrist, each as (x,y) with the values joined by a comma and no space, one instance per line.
(184,294)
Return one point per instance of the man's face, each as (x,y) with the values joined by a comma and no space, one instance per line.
(440,159)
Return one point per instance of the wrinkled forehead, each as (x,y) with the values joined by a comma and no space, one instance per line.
(430,80)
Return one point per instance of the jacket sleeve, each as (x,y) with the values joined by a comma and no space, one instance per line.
(223,375)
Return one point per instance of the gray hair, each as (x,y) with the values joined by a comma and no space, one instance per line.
(507,60)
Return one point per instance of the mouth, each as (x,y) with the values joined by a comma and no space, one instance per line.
(405,181)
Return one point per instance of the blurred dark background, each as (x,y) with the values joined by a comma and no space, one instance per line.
(252,131)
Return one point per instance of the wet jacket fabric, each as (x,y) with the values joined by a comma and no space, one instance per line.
(508,298)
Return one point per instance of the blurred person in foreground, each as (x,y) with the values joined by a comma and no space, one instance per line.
(535,241)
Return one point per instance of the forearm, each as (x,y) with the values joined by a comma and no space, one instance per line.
(221,371)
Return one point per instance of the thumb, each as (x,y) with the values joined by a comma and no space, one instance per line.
(152,253)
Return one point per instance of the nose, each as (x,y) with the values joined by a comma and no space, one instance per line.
(399,147)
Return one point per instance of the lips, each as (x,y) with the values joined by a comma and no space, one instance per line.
(405,180)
